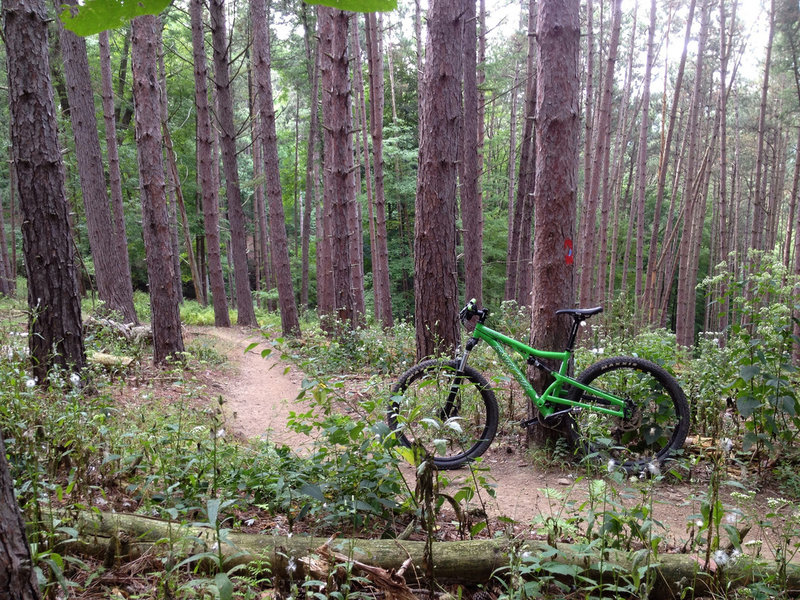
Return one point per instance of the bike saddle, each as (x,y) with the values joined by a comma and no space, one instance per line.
(580,313)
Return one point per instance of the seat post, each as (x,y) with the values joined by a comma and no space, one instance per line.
(573,334)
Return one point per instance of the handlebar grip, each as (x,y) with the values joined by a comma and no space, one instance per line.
(469,311)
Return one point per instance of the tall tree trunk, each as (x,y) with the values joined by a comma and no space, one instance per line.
(290,322)
(361,108)
(164,300)
(113,281)
(219,35)
(112,154)
(796,266)
(6,280)
(55,331)
(723,237)
(641,159)
(759,209)
(209,184)
(339,177)
(589,293)
(435,281)
(520,235)
(588,202)
(471,202)
(172,183)
(312,61)
(651,292)
(17,575)
(685,309)
(511,248)
(557,139)
(376,107)
(172,170)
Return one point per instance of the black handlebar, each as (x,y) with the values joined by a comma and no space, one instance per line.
(471,310)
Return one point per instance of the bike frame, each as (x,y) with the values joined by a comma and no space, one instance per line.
(552,394)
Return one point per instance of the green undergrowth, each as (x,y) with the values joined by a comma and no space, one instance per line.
(157,442)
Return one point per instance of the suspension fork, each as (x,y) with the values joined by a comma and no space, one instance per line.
(451,405)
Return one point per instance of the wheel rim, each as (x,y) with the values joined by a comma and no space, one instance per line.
(425,412)
(648,433)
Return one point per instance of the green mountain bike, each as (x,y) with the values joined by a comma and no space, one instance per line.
(623,409)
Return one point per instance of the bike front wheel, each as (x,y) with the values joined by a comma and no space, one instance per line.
(453,415)
(657,414)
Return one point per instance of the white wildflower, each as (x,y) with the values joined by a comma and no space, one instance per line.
(75,379)
(735,555)
(653,468)
(30,383)
(291,567)
(221,433)
(699,523)
(612,465)
(721,558)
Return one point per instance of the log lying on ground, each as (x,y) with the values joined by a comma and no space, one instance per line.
(124,537)
(138,334)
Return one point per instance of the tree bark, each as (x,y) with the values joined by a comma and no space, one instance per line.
(17,575)
(55,333)
(312,60)
(219,35)
(520,234)
(361,107)
(112,154)
(209,185)
(469,173)
(113,280)
(651,290)
(641,161)
(376,107)
(339,168)
(164,300)
(290,323)
(759,210)
(598,188)
(687,275)
(557,138)
(435,281)
(171,179)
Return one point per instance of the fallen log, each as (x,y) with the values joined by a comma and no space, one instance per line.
(114,537)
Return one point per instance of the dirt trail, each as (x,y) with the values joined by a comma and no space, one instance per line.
(261,392)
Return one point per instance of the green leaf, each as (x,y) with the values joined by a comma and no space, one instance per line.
(560,569)
(749,371)
(95,16)
(212,510)
(359,5)
(224,586)
(312,490)
(747,405)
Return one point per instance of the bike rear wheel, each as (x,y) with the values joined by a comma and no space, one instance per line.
(453,415)
(656,426)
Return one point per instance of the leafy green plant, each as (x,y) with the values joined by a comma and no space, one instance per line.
(759,349)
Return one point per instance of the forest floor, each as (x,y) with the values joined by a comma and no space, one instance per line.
(261,392)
